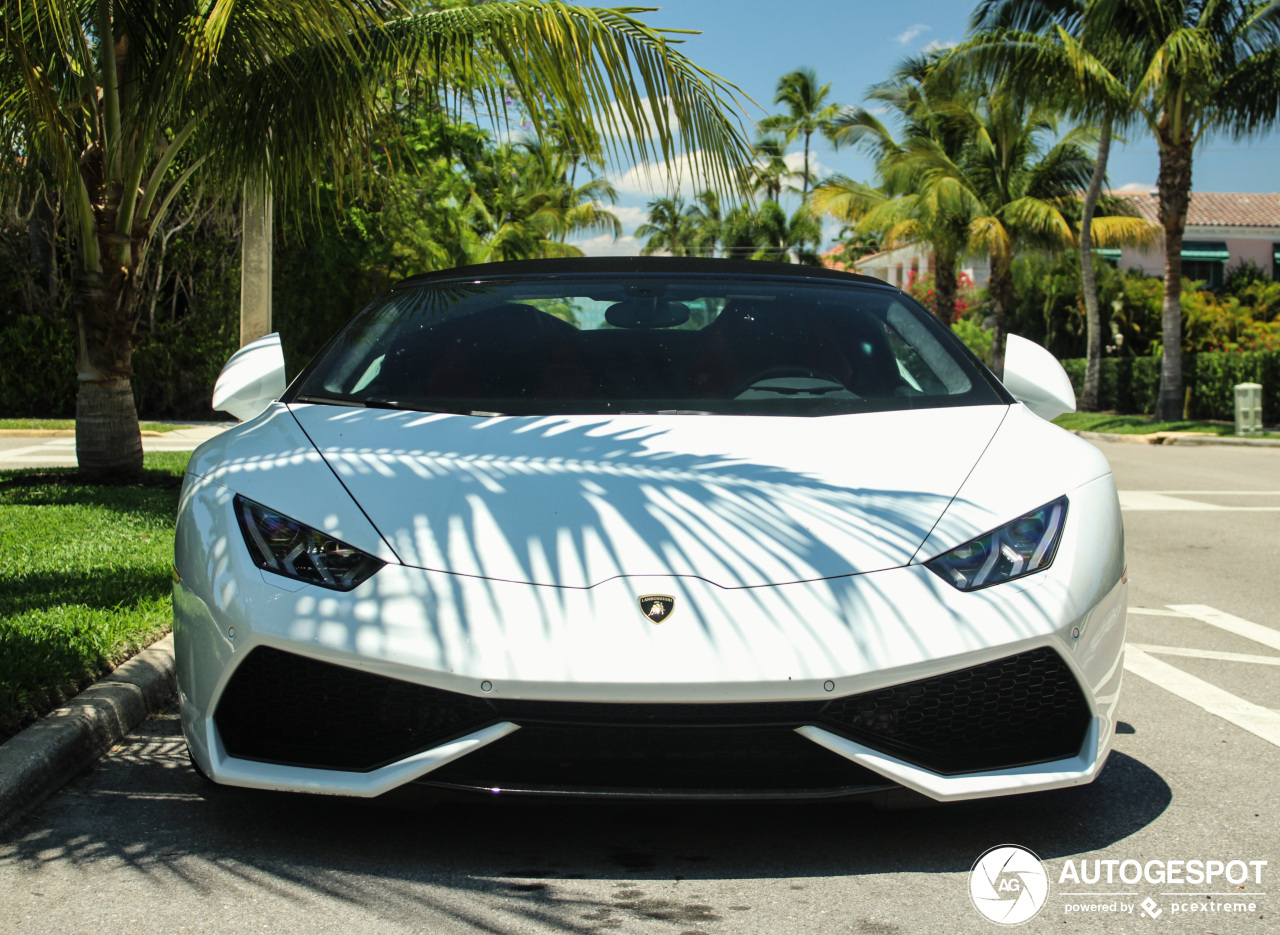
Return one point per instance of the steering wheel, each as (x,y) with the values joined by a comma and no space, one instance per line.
(787,370)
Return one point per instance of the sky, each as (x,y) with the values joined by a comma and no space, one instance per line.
(854,44)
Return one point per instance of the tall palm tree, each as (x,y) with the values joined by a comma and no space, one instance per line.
(807,112)
(1185,68)
(122,103)
(920,96)
(1042,47)
(669,228)
(1017,188)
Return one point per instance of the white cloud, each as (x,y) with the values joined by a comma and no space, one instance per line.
(678,176)
(911,32)
(937,45)
(605,245)
(1137,187)
(630,215)
(795,161)
(663,115)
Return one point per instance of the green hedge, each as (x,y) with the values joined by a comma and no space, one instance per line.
(1131,384)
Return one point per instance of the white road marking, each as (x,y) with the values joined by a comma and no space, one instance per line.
(1237,625)
(1155,612)
(1257,720)
(1215,493)
(1147,500)
(1205,654)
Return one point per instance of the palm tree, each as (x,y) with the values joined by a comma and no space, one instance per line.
(524,204)
(1043,48)
(1016,189)
(768,172)
(921,97)
(1185,68)
(121,104)
(669,228)
(807,112)
(707,219)
(767,233)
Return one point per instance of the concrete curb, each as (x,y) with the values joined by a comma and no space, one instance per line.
(1178,438)
(41,759)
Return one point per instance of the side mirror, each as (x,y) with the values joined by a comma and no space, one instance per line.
(1035,377)
(252,378)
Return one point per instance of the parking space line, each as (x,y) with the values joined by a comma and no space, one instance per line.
(1257,720)
(1237,625)
(1205,654)
(1155,612)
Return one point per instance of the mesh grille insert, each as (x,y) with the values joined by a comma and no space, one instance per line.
(282,708)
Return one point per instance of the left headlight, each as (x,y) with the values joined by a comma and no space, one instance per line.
(1019,548)
(295,550)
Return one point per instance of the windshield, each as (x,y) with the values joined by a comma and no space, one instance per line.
(649,344)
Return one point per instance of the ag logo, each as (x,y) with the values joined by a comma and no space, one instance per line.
(1008,884)
(656,607)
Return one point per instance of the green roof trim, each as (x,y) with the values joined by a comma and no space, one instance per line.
(1109,253)
(1205,250)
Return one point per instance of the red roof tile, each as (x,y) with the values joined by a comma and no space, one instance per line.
(1215,209)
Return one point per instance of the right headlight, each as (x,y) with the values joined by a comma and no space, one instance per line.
(1016,549)
(282,544)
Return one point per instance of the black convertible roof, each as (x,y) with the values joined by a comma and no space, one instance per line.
(653,265)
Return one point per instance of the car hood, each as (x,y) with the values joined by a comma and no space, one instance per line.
(573,501)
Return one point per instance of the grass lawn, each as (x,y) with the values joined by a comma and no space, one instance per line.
(66,424)
(85,579)
(1141,425)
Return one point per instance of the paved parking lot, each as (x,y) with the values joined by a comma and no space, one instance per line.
(139,844)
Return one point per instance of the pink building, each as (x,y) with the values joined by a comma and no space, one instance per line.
(1224,229)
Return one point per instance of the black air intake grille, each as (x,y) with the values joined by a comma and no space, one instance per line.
(290,709)
(1026,708)
(283,708)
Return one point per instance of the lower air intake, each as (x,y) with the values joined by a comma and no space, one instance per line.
(282,708)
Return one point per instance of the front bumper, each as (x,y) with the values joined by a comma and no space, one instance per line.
(801,649)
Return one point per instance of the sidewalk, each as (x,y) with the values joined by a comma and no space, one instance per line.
(38,451)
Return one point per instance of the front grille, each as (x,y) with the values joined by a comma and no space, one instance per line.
(1022,709)
(283,708)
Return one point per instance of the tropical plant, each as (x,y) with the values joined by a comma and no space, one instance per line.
(669,229)
(1186,68)
(119,105)
(1044,49)
(768,173)
(807,112)
(523,205)
(768,233)
(920,98)
(707,219)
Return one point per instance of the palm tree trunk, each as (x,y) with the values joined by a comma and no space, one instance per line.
(108,443)
(1000,288)
(944,286)
(1089,278)
(1174,185)
(805,186)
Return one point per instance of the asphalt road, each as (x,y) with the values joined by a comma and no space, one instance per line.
(139,844)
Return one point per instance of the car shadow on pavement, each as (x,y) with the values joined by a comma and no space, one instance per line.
(569,866)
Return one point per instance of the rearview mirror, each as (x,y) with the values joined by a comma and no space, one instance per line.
(252,378)
(1034,377)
